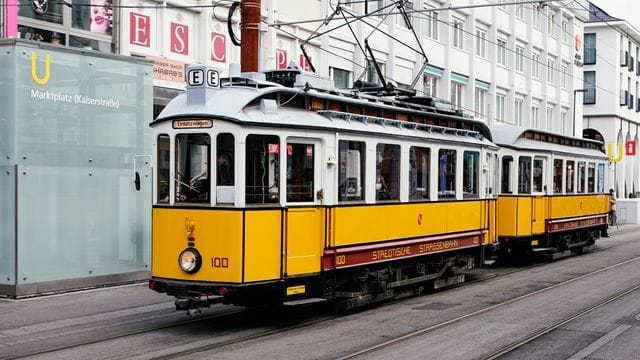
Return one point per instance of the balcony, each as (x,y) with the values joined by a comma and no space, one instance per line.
(589,96)
(589,56)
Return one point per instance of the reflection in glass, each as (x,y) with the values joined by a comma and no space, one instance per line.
(558,164)
(419,163)
(570,176)
(470,168)
(446,174)
(192,167)
(524,175)
(263,169)
(506,175)
(300,172)
(163,168)
(582,175)
(387,172)
(351,170)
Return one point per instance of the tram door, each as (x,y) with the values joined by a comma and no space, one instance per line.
(304,216)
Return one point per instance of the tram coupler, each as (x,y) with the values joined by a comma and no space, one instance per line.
(194,305)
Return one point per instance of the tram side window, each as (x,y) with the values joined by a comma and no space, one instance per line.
(446,174)
(591,178)
(192,167)
(300,172)
(163,168)
(538,175)
(351,170)
(582,174)
(600,178)
(387,172)
(470,167)
(263,169)
(524,175)
(419,164)
(570,176)
(507,161)
(224,168)
(558,165)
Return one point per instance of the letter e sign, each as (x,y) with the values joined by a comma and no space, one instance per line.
(196,77)
(213,78)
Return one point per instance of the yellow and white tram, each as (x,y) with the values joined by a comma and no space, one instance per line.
(274,188)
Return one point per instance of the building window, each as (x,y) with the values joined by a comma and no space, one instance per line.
(446,174)
(519,58)
(565,31)
(481,42)
(401,21)
(458,33)
(535,121)
(518,107)
(565,76)
(500,107)
(551,24)
(551,62)
(419,165)
(520,11)
(351,160)
(373,6)
(341,78)
(372,74)
(430,85)
(589,97)
(589,49)
(501,55)
(549,118)
(536,16)
(456,94)
(563,121)
(535,64)
(431,23)
(481,103)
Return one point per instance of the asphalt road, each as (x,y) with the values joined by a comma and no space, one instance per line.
(133,322)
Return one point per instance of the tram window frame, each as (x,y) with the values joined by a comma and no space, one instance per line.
(470,174)
(387,172)
(582,177)
(505,178)
(261,149)
(191,186)
(351,167)
(600,177)
(524,175)
(419,173)
(225,168)
(163,164)
(591,178)
(447,174)
(298,177)
(558,183)
(570,174)
(537,184)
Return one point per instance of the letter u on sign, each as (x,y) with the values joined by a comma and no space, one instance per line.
(34,71)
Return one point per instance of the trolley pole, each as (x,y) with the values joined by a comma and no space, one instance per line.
(249,22)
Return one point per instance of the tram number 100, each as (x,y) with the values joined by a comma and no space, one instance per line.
(220,262)
(341,259)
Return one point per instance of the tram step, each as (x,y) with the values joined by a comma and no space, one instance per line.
(458,279)
(303,302)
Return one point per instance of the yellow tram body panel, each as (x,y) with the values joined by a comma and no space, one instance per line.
(218,236)
(521,215)
(353,225)
(304,240)
(581,205)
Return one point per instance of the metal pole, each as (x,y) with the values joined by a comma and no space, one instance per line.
(249,22)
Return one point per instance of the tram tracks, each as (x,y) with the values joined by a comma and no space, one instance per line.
(211,344)
(520,342)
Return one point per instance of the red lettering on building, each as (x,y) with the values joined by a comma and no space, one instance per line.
(631,147)
(179,39)
(304,64)
(139,29)
(281,59)
(218,47)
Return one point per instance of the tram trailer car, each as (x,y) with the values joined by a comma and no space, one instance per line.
(553,199)
(275,188)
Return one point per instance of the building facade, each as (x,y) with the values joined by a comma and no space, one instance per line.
(612,103)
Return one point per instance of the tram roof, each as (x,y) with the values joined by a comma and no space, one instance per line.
(523,138)
(242,104)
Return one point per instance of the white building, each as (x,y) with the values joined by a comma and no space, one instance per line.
(612,103)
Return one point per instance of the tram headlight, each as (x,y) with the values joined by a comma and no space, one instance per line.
(190,260)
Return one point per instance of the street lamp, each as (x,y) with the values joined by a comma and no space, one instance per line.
(574,108)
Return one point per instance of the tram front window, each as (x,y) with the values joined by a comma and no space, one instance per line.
(192,167)
(163,168)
